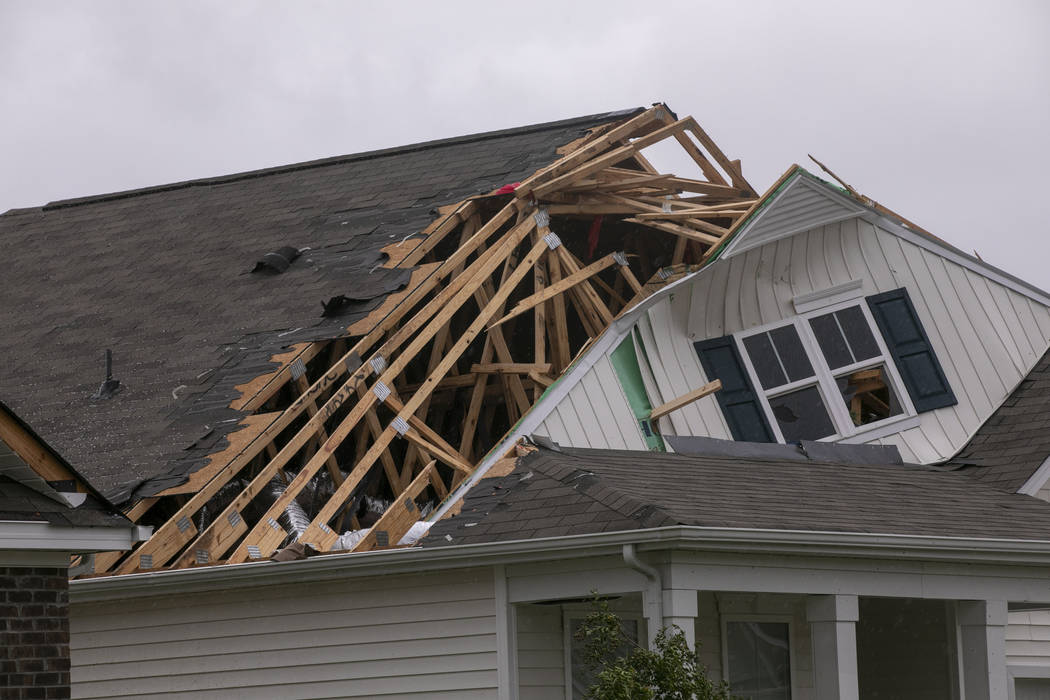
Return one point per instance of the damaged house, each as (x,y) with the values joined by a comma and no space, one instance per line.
(392,417)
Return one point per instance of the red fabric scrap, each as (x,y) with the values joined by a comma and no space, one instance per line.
(592,236)
(507,189)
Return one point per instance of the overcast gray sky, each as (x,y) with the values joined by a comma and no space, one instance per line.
(939,110)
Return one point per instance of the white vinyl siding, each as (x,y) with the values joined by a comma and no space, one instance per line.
(595,413)
(1028,639)
(414,636)
(541,652)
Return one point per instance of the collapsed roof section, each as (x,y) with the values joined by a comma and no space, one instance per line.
(163,278)
(351,440)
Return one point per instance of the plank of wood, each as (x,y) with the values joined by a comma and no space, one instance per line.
(543,380)
(399,518)
(510,368)
(733,169)
(473,278)
(678,230)
(438,229)
(590,150)
(693,213)
(436,452)
(685,399)
(561,286)
(360,470)
(259,390)
(560,350)
(36,455)
(611,158)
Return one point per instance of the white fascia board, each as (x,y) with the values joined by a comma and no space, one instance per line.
(749,542)
(1037,480)
(43,536)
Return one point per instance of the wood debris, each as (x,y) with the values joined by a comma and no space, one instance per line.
(506,290)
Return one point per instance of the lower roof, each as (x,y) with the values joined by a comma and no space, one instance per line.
(581,491)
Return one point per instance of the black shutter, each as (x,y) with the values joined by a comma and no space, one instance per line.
(721,360)
(911,350)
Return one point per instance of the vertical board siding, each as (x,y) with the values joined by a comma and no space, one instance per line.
(595,413)
(541,653)
(986,336)
(393,637)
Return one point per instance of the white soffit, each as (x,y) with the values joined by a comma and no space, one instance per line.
(802,205)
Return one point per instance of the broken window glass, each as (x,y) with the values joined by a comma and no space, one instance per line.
(802,415)
(868,395)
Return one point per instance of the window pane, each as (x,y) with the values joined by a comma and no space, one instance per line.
(583,676)
(791,352)
(765,361)
(759,660)
(831,341)
(802,415)
(858,333)
(868,395)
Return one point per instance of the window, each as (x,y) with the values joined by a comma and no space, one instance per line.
(823,375)
(578,676)
(757,657)
(851,370)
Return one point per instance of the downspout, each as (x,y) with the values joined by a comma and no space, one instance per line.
(652,596)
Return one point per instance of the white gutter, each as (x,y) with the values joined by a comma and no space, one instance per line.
(686,538)
(653,600)
(43,536)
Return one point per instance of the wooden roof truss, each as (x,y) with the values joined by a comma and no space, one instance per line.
(507,289)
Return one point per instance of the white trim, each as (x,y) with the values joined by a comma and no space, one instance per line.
(740,244)
(42,536)
(506,637)
(812,301)
(824,377)
(1037,480)
(857,545)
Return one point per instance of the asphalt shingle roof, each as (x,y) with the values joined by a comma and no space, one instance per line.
(161,277)
(1013,443)
(577,491)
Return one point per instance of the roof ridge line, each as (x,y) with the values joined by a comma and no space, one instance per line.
(601,117)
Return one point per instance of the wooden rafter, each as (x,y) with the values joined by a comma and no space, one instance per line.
(447,341)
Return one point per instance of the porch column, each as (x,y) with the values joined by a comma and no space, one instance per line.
(680,609)
(982,638)
(833,626)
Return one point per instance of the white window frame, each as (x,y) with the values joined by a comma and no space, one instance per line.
(824,377)
(573,612)
(789,620)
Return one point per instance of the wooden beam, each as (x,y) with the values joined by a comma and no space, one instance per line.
(611,158)
(510,368)
(677,230)
(315,532)
(685,399)
(476,274)
(591,149)
(555,289)
(37,456)
(399,518)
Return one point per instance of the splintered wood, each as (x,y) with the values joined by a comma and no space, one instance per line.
(506,290)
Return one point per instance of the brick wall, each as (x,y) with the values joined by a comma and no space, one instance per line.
(34,633)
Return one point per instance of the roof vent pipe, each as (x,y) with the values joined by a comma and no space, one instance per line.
(652,596)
